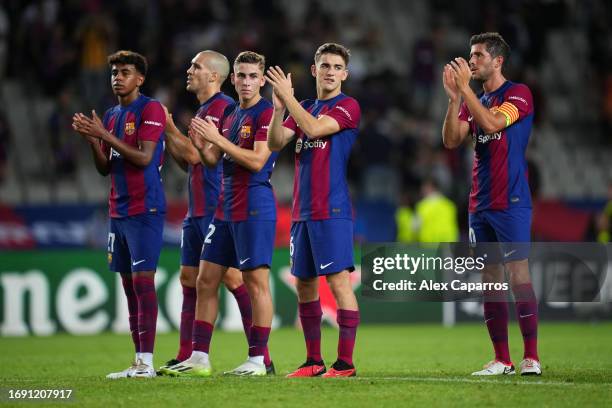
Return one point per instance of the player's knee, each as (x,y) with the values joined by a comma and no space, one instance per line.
(233,279)
(257,288)
(519,272)
(493,273)
(205,284)
(340,285)
(307,289)
(188,276)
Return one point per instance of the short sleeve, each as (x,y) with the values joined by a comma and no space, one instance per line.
(215,112)
(262,125)
(152,123)
(518,103)
(347,113)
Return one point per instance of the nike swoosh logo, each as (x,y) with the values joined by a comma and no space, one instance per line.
(507,254)
(142,332)
(138,262)
(522,317)
(488,320)
(326,265)
(244,260)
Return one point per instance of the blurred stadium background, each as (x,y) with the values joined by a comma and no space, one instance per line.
(53,208)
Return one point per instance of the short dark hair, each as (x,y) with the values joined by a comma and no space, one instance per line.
(333,48)
(129,57)
(494,43)
(250,57)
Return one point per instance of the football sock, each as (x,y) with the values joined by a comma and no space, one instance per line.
(147,358)
(496,319)
(132,303)
(147,312)
(526,306)
(202,333)
(310,316)
(257,359)
(186,327)
(258,342)
(199,357)
(348,320)
(244,303)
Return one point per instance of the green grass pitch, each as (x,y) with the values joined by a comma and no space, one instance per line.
(408,365)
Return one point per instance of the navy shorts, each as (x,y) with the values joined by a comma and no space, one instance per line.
(135,242)
(511,228)
(244,245)
(195,230)
(321,247)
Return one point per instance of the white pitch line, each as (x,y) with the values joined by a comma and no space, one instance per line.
(479,381)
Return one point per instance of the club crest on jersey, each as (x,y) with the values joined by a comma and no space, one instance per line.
(130,128)
(245,131)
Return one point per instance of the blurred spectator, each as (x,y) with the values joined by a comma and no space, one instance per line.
(424,69)
(436,215)
(64,142)
(604,220)
(96,38)
(59,61)
(405,218)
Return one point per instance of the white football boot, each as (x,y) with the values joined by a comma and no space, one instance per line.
(142,370)
(495,367)
(123,374)
(248,368)
(529,366)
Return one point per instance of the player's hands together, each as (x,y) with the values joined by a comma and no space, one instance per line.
(205,129)
(461,73)
(85,126)
(450,86)
(89,127)
(281,84)
(197,141)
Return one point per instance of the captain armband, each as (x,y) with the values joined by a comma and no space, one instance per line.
(509,111)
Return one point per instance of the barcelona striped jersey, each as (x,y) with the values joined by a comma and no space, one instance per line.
(204,182)
(136,190)
(320,189)
(499,174)
(246,195)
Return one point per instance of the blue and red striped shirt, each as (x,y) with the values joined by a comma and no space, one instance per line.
(204,182)
(246,195)
(136,190)
(499,174)
(320,189)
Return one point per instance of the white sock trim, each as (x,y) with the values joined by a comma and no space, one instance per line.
(147,358)
(257,359)
(199,357)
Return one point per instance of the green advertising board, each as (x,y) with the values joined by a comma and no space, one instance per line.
(45,292)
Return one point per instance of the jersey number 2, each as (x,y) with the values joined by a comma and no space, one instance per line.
(211,231)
